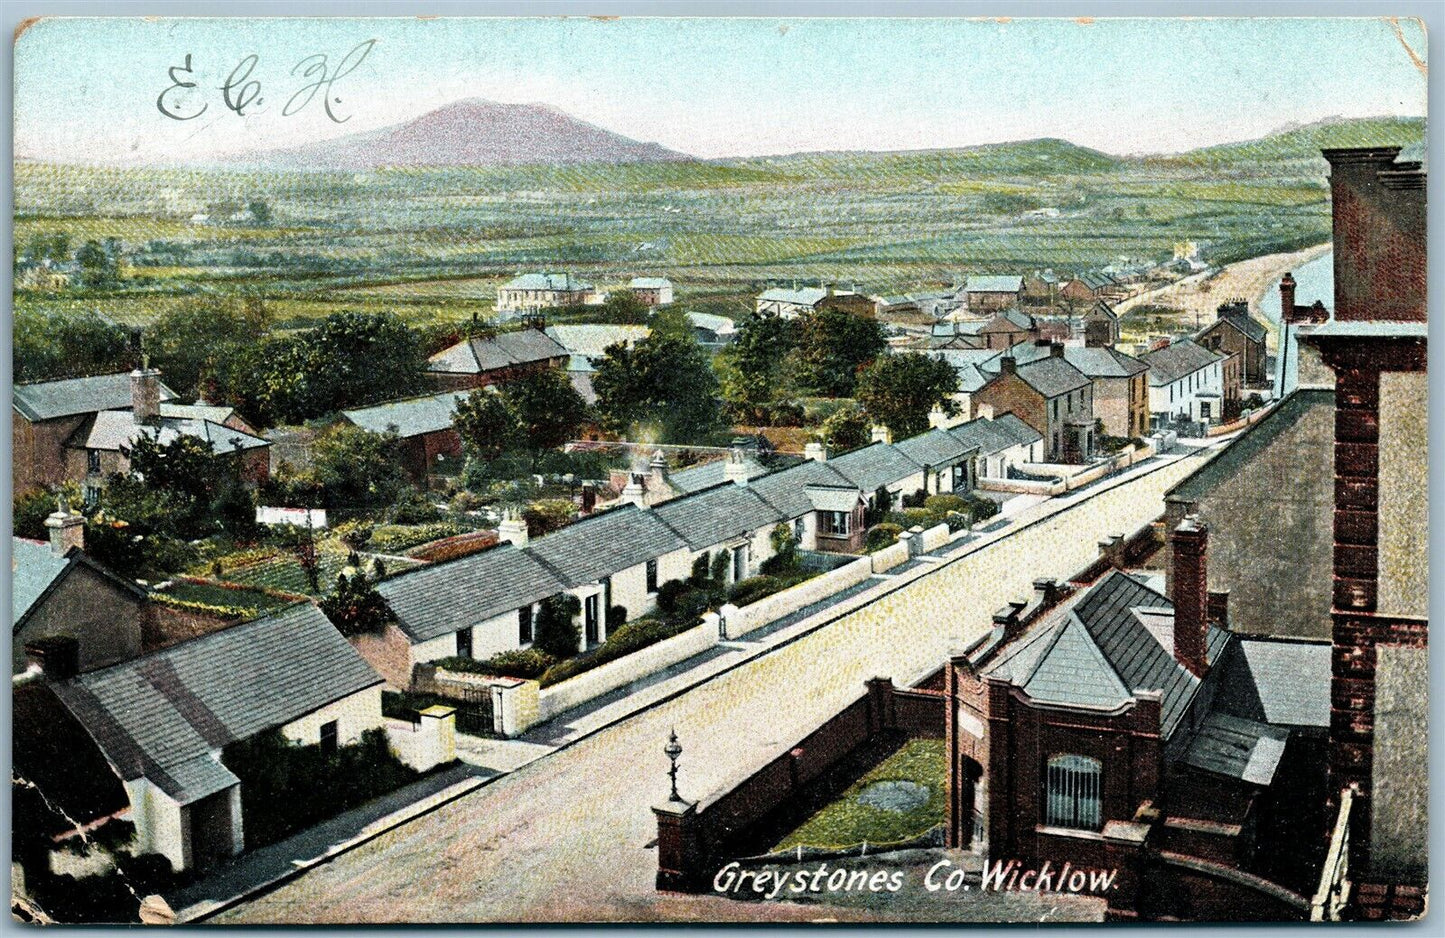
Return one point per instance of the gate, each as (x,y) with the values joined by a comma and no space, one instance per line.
(474,711)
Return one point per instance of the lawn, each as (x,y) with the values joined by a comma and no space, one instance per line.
(874,811)
(213,594)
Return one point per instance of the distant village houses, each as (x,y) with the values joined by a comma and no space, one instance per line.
(532,293)
(651,291)
(790,303)
(483,360)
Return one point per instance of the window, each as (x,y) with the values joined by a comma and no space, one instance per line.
(524,625)
(798,530)
(1071,791)
(464,643)
(1203,410)
(836,523)
(92,460)
(652,575)
(328,737)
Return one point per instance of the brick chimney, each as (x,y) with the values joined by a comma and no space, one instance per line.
(1008,365)
(1378,210)
(589,498)
(1286,297)
(1190,545)
(1056,350)
(145,393)
(816,451)
(67,529)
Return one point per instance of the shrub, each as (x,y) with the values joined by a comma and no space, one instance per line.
(616,618)
(631,637)
(699,569)
(753,589)
(355,607)
(520,662)
(915,500)
(670,593)
(557,631)
(881,536)
(940,505)
(547,514)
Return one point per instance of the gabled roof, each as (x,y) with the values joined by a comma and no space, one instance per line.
(216,413)
(996,435)
(1241,320)
(994,284)
(714,472)
(721,325)
(649,283)
(1096,279)
(559,282)
(1095,652)
(1176,360)
(162,715)
(116,430)
(593,339)
(833,498)
(412,416)
(1051,376)
(1103,362)
(804,296)
(1102,310)
(479,355)
(1248,445)
(935,449)
(36,569)
(878,464)
(604,544)
(786,490)
(48,400)
(431,601)
(1008,320)
(716,515)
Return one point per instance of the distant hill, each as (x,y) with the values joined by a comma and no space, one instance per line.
(473,132)
(1305,142)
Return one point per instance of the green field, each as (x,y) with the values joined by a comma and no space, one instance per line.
(434,244)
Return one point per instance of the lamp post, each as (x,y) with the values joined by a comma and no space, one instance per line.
(673,749)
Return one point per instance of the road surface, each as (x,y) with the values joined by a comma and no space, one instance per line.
(568,837)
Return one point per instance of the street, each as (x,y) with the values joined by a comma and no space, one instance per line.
(567,837)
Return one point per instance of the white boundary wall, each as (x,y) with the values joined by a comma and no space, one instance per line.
(740,621)
(614,674)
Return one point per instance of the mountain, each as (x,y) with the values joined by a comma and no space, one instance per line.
(474,132)
(1304,142)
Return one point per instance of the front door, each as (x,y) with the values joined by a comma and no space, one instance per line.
(740,563)
(591,618)
(211,839)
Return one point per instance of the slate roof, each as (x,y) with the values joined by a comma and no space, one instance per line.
(875,465)
(592,339)
(1283,683)
(412,416)
(48,400)
(1240,319)
(649,283)
(429,601)
(213,412)
(706,475)
(935,449)
(786,490)
(804,296)
(1094,280)
(161,716)
(479,355)
(994,284)
(828,498)
(1248,445)
(559,282)
(117,429)
(34,567)
(1091,362)
(1008,320)
(996,435)
(604,544)
(1237,748)
(719,325)
(717,514)
(1176,360)
(1052,376)
(1094,652)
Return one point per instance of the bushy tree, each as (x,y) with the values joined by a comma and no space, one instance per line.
(199,345)
(359,470)
(833,346)
(182,488)
(547,514)
(486,424)
(65,345)
(755,369)
(846,428)
(354,606)
(99,263)
(558,634)
(547,409)
(899,391)
(662,388)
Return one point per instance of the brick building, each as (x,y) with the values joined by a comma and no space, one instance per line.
(1235,332)
(484,360)
(1048,394)
(424,426)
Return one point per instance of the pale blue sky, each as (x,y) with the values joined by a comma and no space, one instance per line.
(86,88)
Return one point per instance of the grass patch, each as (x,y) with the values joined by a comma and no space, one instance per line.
(846,822)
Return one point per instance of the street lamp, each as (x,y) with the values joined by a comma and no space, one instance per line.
(673,749)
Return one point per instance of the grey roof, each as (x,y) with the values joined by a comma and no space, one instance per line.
(431,601)
(1096,279)
(479,354)
(786,490)
(1283,683)
(718,325)
(1052,376)
(875,465)
(1240,319)
(714,472)
(216,413)
(557,282)
(604,544)
(592,339)
(804,296)
(1095,652)
(410,417)
(51,399)
(1091,362)
(830,498)
(996,435)
(716,515)
(33,568)
(117,429)
(1237,748)
(1176,360)
(162,715)
(582,384)
(994,284)
(1248,445)
(1011,318)
(649,283)
(935,449)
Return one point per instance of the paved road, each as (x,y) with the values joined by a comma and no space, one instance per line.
(568,837)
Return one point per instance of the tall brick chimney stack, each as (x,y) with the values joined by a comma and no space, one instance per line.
(1379,235)
(145,393)
(1286,297)
(1190,545)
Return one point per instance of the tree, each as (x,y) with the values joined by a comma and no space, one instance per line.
(558,634)
(260,211)
(661,389)
(199,345)
(99,267)
(754,368)
(202,489)
(846,428)
(833,346)
(486,424)
(547,514)
(898,391)
(547,409)
(50,345)
(355,607)
(359,470)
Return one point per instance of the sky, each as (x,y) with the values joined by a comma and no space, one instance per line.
(86,89)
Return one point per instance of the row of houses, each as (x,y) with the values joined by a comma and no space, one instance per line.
(532,293)
(487,602)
